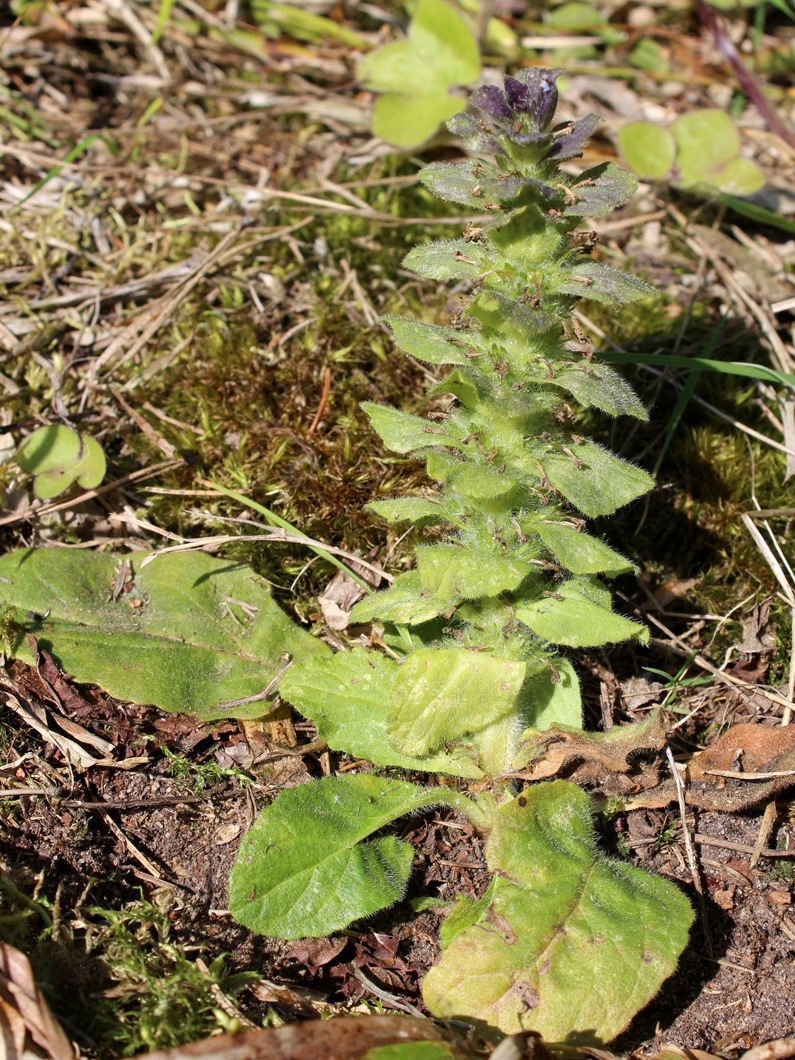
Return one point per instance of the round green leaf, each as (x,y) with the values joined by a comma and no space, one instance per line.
(444,40)
(740,176)
(409,120)
(706,140)
(52,448)
(648,150)
(92,465)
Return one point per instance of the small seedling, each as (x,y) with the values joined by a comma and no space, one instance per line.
(700,149)
(59,457)
(418,75)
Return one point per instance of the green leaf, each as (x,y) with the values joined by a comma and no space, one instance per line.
(92,466)
(399,68)
(648,150)
(595,481)
(403,433)
(441,694)
(406,603)
(480,483)
(570,616)
(304,869)
(187,632)
(408,120)
(473,183)
(740,176)
(601,283)
(579,552)
(451,572)
(428,342)
(409,510)
(598,386)
(445,42)
(705,140)
(552,698)
(448,259)
(574,943)
(602,189)
(465,913)
(58,457)
(346,695)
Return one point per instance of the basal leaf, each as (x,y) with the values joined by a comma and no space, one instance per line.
(438,695)
(187,632)
(428,342)
(601,283)
(465,913)
(574,943)
(647,149)
(306,867)
(571,617)
(448,259)
(406,603)
(347,695)
(452,572)
(403,433)
(579,552)
(602,189)
(594,480)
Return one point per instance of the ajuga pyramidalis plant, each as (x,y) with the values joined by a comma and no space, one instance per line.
(565,941)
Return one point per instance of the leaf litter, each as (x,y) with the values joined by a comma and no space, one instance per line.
(124,270)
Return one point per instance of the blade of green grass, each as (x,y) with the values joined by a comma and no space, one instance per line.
(664,360)
(75,152)
(276,520)
(756,213)
(683,399)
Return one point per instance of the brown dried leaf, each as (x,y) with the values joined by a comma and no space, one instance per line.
(346,1038)
(745,751)
(608,761)
(24,1016)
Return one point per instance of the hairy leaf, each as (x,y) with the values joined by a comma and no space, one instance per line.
(594,480)
(187,632)
(451,572)
(409,509)
(580,553)
(552,697)
(448,259)
(602,189)
(403,433)
(347,695)
(438,695)
(406,603)
(428,342)
(601,283)
(305,869)
(601,387)
(572,617)
(574,943)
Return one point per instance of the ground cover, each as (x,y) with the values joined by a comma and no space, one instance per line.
(198,237)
